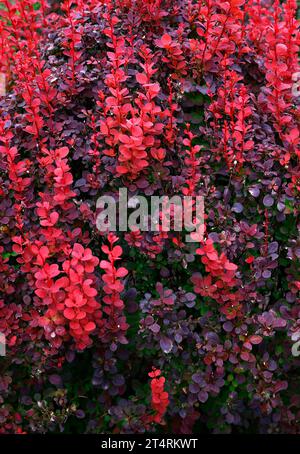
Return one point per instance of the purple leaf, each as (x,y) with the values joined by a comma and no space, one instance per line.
(268,201)
(228,327)
(266,274)
(203,396)
(166,344)
(254,191)
(55,380)
(155,328)
(237,208)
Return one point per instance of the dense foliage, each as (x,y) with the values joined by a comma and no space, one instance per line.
(137,331)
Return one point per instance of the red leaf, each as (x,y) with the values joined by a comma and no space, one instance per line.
(141,78)
(69,313)
(90,326)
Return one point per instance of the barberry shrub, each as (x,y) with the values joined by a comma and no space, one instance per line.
(144,331)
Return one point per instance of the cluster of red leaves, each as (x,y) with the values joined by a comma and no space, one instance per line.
(275,34)
(231,114)
(116,326)
(72,307)
(221,32)
(72,310)
(281,62)
(219,282)
(132,128)
(33,85)
(17,169)
(160,398)
(192,163)
(173,54)
(72,39)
